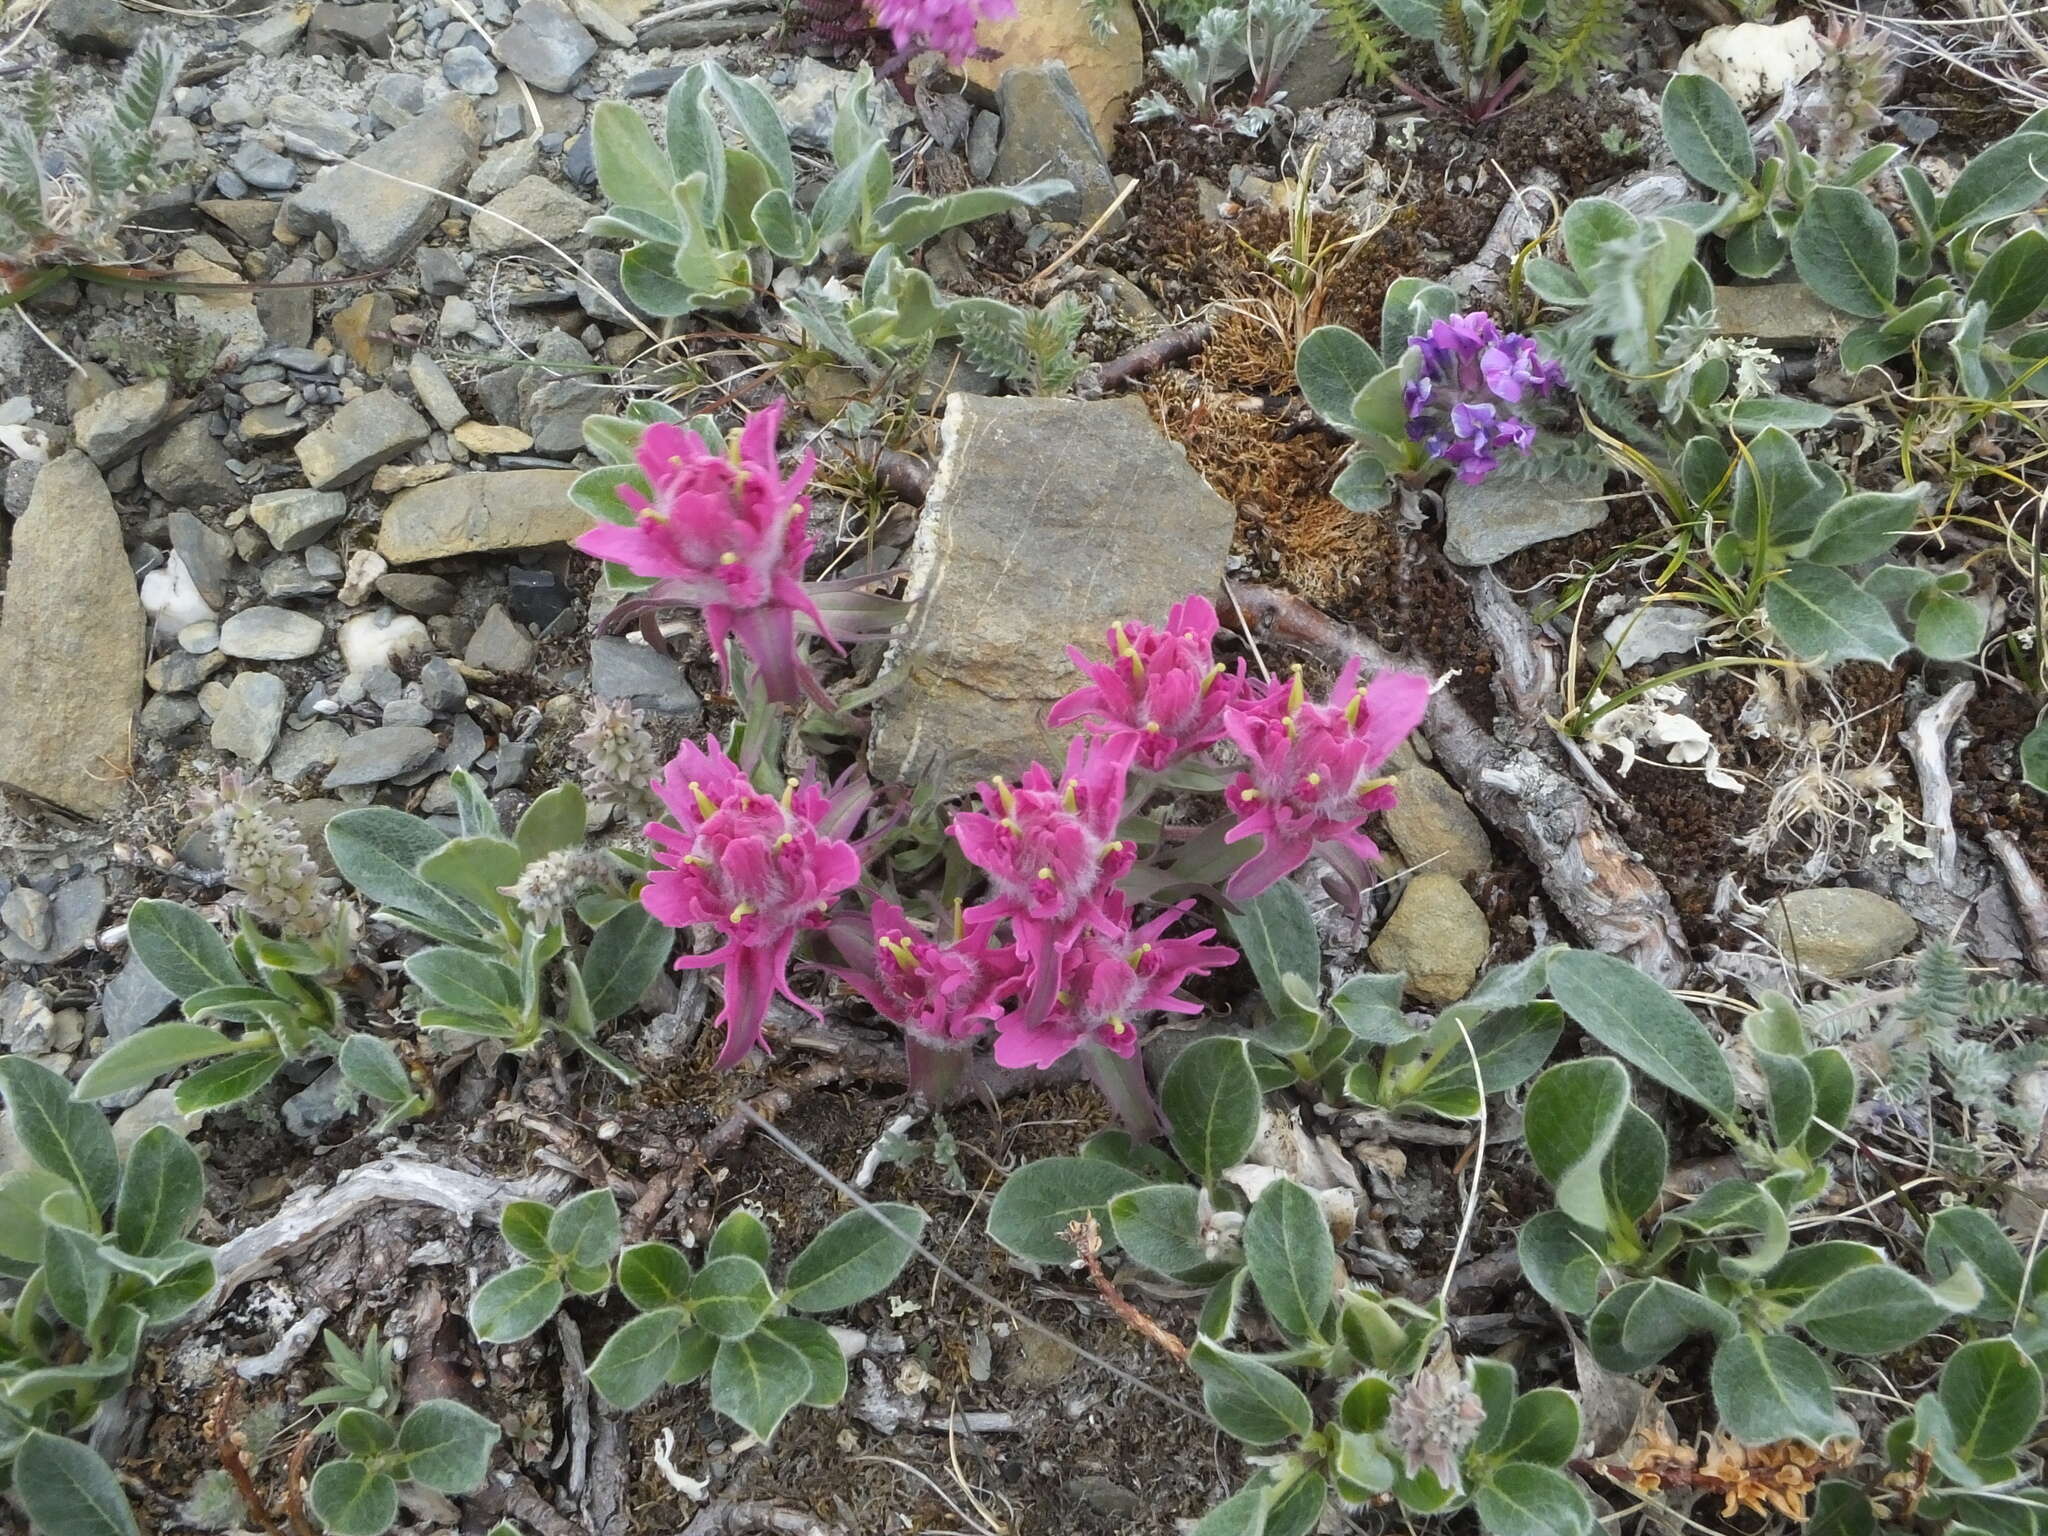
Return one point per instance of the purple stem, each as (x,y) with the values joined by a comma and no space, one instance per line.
(935,1075)
(1121,1080)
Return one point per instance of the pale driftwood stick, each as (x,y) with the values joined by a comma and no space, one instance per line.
(1926,743)
(1602,889)
(2028,894)
(313,1214)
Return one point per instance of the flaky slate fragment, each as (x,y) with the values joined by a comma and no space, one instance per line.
(1047,521)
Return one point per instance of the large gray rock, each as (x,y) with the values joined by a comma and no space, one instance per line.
(1047,521)
(1046,132)
(248,723)
(370,430)
(373,219)
(121,422)
(530,215)
(189,468)
(388,752)
(546,46)
(472,514)
(1491,520)
(70,645)
(621,668)
(295,518)
(1839,931)
(271,634)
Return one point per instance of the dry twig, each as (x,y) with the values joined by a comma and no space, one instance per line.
(1086,1237)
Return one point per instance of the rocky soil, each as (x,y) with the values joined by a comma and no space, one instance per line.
(312,529)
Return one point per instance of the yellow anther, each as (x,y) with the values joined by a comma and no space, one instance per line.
(1151,727)
(788,792)
(1351,709)
(1118,1027)
(744,909)
(1248,796)
(1315,781)
(1068,798)
(706,806)
(1045,872)
(1294,692)
(1009,824)
(1004,798)
(1209,678)
(1287,724)
(729,558)
(1115,847)
(785,840)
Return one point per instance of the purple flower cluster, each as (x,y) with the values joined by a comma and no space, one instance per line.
(1461,407)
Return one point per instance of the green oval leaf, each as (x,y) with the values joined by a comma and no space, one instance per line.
(1248,1399)
(1823,615)
(514,1305)
(180,948)
(638,1359)
(1041,1200)
(1992,1394)
(1645,1025)
(1707,135)
(1772,1387)
(1292,1259)
(68,1490)
(162,1189)
(1212,1102)
(756,1380)
(351,1498)
(1331,366)
(69,1139)
(1845,251)
(858,1256)
(147,1055)
(447,1446)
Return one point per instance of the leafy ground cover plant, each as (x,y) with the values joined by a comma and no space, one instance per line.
(63,204)
(97,1243)
(441,1444)
(1442,390)
(725,1319)
(1560,43)
(708,219)
(498,907)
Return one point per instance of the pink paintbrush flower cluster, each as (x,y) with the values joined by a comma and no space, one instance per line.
(1056,955)
(1161,687)
(945,25)
(1052,858)
(946,993)
(759,869)
(724,534)
(1308,781)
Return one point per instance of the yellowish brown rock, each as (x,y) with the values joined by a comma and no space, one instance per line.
(471,514)
(482,437)
(364,332)
(1106,73)
(1438,936)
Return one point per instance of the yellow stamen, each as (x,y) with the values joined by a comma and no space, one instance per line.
(785,840)
(1351,709)
(1248,796)
(1115,847)
(1294,692)
(728,558)
(959,919)
(1209,679)
(1137,956)
(1004,798)
(1118,1027)
(788,792)
(1315,781)
(697,860)
(1367,786)
(1151,727)
(1067,798)
(901,951)
(744,909)
(1287,723)
(706,806)
(1045,873)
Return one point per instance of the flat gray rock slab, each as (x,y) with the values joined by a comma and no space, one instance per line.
(1505,513)
(71,641)
(1047,521)
(365,204)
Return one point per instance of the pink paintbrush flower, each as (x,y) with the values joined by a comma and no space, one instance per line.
(1108,981)
(1162,686)
(945,993)
(724,534)
(759,868)
(1051,855)
(946,25)
(1308,778)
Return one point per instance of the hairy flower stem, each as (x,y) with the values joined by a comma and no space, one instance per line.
(1121,1080)
(935,1074)
(1086,1236)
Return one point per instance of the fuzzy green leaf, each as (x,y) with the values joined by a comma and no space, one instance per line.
(1248,1399)
(1823,615)
(1772,1387)
(1293,1262)
(63,1136)
(1846,253)
(447,1446)
(756,1380)
(1041,1200)
(639,1358)
(147,1055)
(858,1256)
(1212,1102)
(1707,135)
(180,948)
